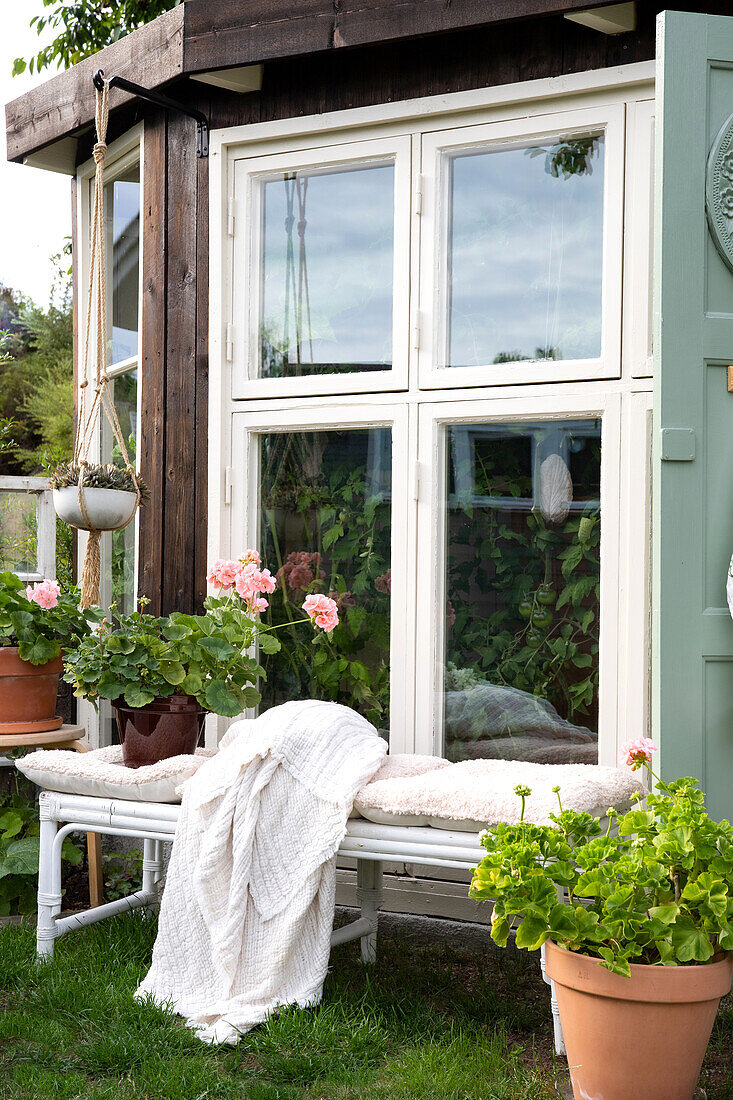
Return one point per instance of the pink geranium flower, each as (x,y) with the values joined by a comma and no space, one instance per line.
(638,752)
(44,593)
(250,557)
(322,610)
(223,573)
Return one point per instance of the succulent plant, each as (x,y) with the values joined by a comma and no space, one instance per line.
(96,476)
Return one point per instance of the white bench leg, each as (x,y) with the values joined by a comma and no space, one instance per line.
(152,866)
(369,898)
(49,881)
(556,1025)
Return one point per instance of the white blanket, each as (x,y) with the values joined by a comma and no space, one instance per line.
(247,910)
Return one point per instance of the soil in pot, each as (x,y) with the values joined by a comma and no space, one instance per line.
(28,694)
(163,728)
(638,1037)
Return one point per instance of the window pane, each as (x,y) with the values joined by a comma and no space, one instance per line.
(18,532)
(326,271)
(522,591)
(325,521)
(122,214)
(525,253)
(120,549)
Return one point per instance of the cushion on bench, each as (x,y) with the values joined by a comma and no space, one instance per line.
(474,793)
(102,774)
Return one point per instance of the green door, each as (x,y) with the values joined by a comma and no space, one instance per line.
(692,670)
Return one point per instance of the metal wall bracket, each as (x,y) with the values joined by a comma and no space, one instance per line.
(202,122)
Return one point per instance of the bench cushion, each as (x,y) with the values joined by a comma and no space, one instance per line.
(474,793)
(102,774)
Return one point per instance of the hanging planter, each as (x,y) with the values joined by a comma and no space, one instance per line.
(108,501)
(88,496)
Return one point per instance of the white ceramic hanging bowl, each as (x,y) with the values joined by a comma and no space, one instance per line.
(106,508)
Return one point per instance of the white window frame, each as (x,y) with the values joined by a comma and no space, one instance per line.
(436,146)
(245,221)
(121,154)
(623,398)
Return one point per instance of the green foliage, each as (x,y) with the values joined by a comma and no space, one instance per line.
(86,26)
(19,847)
(122,873)
(39,633)
(97,476)
(659,892)
(139,657)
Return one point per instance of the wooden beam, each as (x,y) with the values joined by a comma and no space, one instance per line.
(200,36)
(151,55)
(224,33)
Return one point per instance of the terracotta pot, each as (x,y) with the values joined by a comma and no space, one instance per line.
(28,694)
(165,727)
(638,1037)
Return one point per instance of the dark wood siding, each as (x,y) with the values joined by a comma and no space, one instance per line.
(175,235)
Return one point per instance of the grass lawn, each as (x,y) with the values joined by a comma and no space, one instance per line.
(428,1023)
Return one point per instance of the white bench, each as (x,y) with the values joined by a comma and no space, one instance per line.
(155,822)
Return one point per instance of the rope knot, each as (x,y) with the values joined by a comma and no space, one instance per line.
(99,151)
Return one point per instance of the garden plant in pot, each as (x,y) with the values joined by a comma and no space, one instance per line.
(109,498)
(36,620)
(641,954)
(163,674)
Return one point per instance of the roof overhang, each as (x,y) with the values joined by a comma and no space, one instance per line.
(202,37)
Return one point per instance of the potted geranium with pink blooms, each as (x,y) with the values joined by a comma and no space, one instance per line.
(642,952)
(36,620)
(163,674)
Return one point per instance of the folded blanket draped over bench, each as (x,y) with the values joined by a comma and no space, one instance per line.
(247,911)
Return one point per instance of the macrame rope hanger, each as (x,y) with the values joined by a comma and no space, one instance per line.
(101,395)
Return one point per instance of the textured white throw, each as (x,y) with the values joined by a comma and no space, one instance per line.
(247,910)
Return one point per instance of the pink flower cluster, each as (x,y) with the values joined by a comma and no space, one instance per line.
(245,577)
(44,593)
(638,752)
(322,610)
(384,583)
(300,569)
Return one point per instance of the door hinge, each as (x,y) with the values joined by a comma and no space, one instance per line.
(230,341)
(228,481)
(231,205)
(419,194)
(416,330)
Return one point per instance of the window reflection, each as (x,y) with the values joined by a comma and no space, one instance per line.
(525,252)
(325,517)
(522,591)
(122,218)
(327,271)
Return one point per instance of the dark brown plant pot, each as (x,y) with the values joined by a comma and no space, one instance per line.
(163,728)
(28,694)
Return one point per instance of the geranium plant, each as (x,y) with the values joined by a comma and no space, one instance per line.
(656,890)
(140,657)
(40,618)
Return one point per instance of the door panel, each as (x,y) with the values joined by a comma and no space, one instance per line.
(692,701)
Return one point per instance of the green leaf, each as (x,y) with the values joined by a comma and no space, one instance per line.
(532,933)
(667,914)
(71,852)
(268,643)
(690,943)
(11,824)
(218,648)
(220,699)
(192,684)
(21,857)
(172,672)
(137,696)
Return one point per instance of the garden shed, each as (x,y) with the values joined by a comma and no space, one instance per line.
(436,310)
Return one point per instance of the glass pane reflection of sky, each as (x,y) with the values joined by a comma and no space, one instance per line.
(123,209)
(525,253)
(327,303)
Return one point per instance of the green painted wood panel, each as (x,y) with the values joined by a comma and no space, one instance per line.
(692,631)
